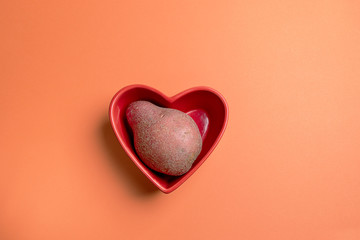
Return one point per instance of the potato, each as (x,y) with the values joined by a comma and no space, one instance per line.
(166,140)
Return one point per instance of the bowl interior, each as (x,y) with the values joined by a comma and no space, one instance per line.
(206,106)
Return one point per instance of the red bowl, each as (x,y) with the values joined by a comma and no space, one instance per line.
(205,105)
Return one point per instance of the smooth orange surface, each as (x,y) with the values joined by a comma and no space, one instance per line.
(287,167)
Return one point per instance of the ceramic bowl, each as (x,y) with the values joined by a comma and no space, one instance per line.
(205,105)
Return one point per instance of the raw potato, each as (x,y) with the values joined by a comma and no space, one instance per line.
(166,140)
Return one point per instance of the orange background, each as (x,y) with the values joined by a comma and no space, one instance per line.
(287,167)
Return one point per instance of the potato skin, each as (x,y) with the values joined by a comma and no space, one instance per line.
(166,140)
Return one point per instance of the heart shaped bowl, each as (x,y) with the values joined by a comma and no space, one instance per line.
(205,105)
